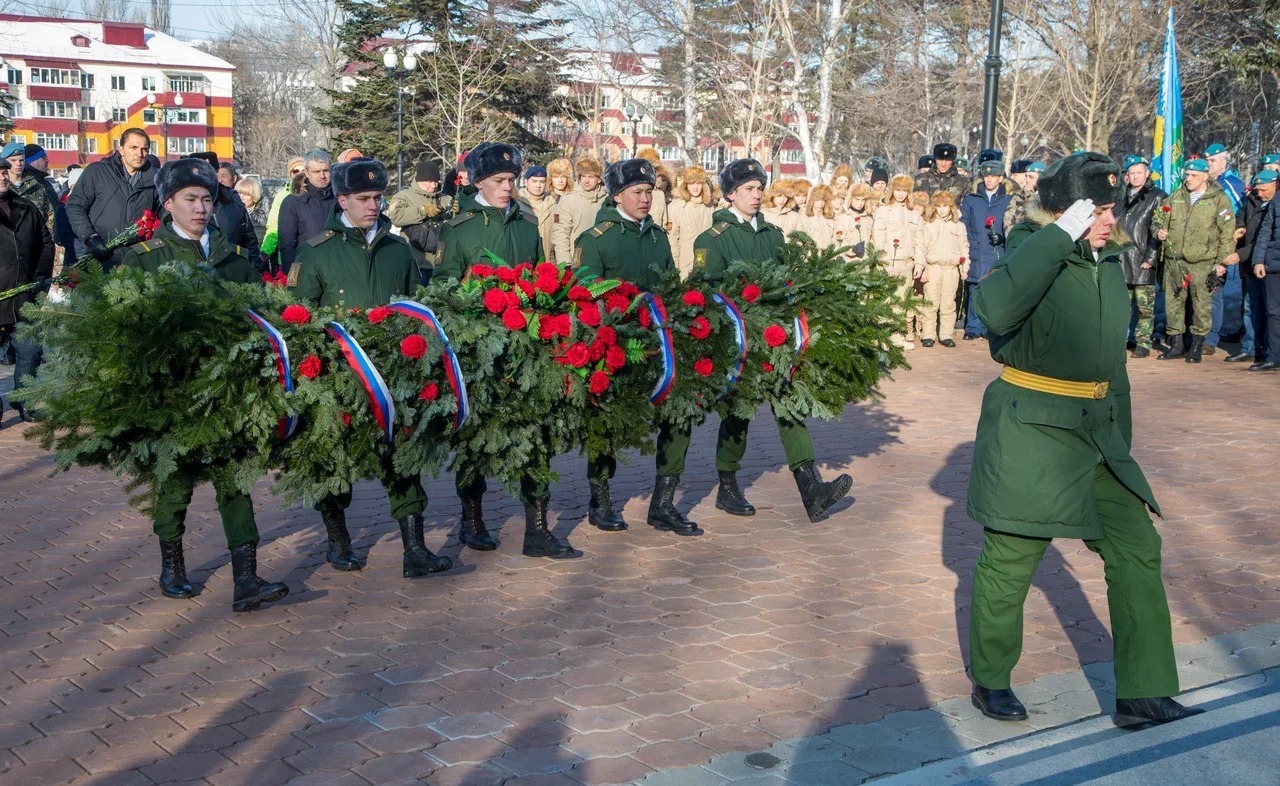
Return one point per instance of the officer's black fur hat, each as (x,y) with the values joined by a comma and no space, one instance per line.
(625,174)
(924,162)
(185,173)
(491,158)
(358,174)
(1020,166)
(990,154)
(210,157)
(744,170)
(944,151)
(1084,175)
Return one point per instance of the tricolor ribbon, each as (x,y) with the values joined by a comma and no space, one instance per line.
(384,409)
(659,314)
(452,369)
(289,423)
(802,339)
(739,335)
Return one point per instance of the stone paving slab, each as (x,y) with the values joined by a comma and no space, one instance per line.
(651,653)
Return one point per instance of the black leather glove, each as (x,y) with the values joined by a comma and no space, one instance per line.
(1214,281)
(996,238)
(96,247)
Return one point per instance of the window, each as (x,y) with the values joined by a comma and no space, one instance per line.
(148,115)
(56,141)
(14,110)
(671,153)
(154,148)
(792,156)
(56,109)
(186,83)
(148,84)
(117,82)
(709,158)
(86,81)
(90,145)
(183,145)
(54,76)
(186,116)
(14,77)
(120,115)
(88,113)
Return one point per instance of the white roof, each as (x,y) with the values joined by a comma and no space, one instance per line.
(630,69)
(23,37)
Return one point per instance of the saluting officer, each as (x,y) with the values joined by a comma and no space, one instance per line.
(357,263)
(627,244)
(740,234)
(185,188)
(490,219)
(1052,455)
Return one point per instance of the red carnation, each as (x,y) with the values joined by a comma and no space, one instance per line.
(645,320)
(296,315)
(429,392)
(775,336)
(552,325)
(514,319)
(700,328)
(413,346)
(579,293)
(991,221)
(589,315)
(524,267)
(598,383)
(547,285)
(508,275)
(525,287)
(1166,208)
(895,240)
(704,367)
(616,303)
(495,300)
(751,293)
(615,358)
(547,270)
(147,225)
(346,418)
(628,289)
(511,299)
(608,335)
(694,298)
(577,355)
(962,260)
(377,315)
(310,367)
(481,271)
(598,349)
(767,366)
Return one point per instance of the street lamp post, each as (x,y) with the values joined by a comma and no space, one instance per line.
(153,102)
(635,114)
(993,63)
(398,67)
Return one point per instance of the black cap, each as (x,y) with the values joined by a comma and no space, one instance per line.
(879,174)
(924,162)
(427,171)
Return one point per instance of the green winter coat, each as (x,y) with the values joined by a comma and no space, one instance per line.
(732,240)
(1203,232)
(228,262)
(618,247)
(1053,311)
(466,239)
(338,268)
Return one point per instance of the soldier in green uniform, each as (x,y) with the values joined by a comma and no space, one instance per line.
(357,263)
(490,220)
(1052,455)
(740,234)
(185,189)
(627,244)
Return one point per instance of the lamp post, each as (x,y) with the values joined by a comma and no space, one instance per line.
(635,114)
(993,63)
(398,67)
(153,102)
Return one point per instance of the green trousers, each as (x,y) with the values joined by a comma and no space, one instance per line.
(530,489)
(673,446)
(1143,297)
(1140,625)
(1175,299)
(405,495)
(169,521)
(731,445)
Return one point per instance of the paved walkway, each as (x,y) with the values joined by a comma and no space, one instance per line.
(651,653)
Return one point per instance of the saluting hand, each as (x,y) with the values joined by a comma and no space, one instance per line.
(1077,219)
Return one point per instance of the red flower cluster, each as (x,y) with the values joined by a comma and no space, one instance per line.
(429,392)
(614,359)
(552,325)
(278,280)
(704,366)
(579,293)
(378,314)
(576,355)
(413,346)
(508,275)
(700,328)
(598,383)
(646,321)
(589,314)
(617,302)
(310,367)
(147,225)
(296,315)
(495,301)
(767,366)
(751,293)
(481,271)
(514,319)
(775,336)
(694,298)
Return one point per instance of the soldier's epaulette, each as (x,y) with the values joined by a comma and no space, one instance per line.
(718,228)
(461,218)
(599,229)
(320,238)
(151,245)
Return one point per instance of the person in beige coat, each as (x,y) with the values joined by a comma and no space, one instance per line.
(690,215)
(542,203)
(659,210)
(559,177)
(842,178)
(800,188)
(575,213)
(942,261)
(817,222)
(897,234)
(859,237)
(779,205)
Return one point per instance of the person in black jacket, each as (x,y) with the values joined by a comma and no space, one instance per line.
(112,194)
(26,256)
(1141,198)
(1259,202)
(304,215)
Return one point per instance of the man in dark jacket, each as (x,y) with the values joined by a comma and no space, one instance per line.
(229,214)
(112,194)
(1141,198)
(943,175)
(305,214)
(26,256)
(1266,267)
(1257,204)
(982,213)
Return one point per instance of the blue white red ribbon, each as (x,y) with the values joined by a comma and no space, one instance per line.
(384,409)
(802,339)
(289,423)
(668,379)
(452,369)
(739,335)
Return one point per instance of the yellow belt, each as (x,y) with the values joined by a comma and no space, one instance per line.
(1058,387)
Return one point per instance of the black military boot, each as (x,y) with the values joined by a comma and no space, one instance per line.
(819,496)
(339,555)
(1144,713)
(1139,351)
(998,703)
(251,591)
(730,498)
(473,533)
(600,512)
(663,513)
(418,559)
(173,571)
(1173,349)
(1197,349)
(538,540)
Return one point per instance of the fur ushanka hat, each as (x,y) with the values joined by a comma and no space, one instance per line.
(625,174)
(1084,175)
(185,173)
(492,158)
(358,175)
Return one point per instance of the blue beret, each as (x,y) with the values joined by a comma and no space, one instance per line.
(13,149)
(1197,165)
(1132,161)
(1215,149)
(1271,158)
(1266,176)
(535,171)
(1036,167)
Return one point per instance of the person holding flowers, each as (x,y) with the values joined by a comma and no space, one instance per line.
(356,263)
(491,229)
(740,234)
(626,244)
(185,189)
